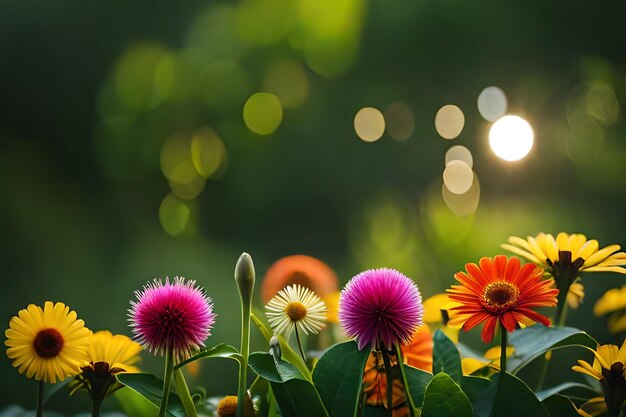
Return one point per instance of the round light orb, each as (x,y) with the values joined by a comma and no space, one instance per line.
(369,124)
(461,153)
(462,204)
(458,177)
(262,113)
(511,138)
(492,103)
(449,121)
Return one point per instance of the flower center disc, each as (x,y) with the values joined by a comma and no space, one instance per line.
(296,311)
(500,295)
(48,343)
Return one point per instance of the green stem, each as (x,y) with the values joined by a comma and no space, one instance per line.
(40,386)
(299,343)
(95,407)
(543,373)
(389,374)
(183,393)
(405,381)
(562,314)
(167,381)
(503,334)
(242,391)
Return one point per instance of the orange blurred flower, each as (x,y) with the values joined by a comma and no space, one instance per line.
(418,353)
(304,270)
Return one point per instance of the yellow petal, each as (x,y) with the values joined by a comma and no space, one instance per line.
(600,255)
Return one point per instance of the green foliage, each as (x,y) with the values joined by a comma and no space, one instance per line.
(134,404)
(220,351)
(542,395)
(296,396)
(508,396)
(444,398)
(473,385)
(536,340)
(150,387)
(560,406)
(446,357)
(418,380)
(338,377)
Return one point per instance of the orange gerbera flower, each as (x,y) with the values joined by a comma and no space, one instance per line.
(418,354)
(501,290)
(303,270)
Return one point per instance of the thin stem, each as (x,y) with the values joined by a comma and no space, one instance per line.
(40,386)
(242,392)
(389,375)
(405,381)
(167,381)
(503,334)
(183,393)
(562,314)
(299,343)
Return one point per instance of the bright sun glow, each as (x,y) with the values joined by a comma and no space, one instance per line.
(511,138)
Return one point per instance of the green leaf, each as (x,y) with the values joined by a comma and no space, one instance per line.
(542,395)
(473,385)
(287,351)
(220,351)
(151,388)
(338,376)
(536,340)
(418,380)
(134,404)
(508,396)
(446,357)
(52,389)
(444,398)
(296,396)
(560,406)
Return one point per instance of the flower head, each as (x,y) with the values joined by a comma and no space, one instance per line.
(609,367)
(108,355)
(48,344)
(613,302)
(227,406)
(296,307)
(302,270)
(380,307)
(176,315)
(500,290)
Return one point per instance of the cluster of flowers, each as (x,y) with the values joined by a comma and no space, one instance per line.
(381,309)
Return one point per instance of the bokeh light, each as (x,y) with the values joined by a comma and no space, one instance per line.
(263,113)
(265,22)
(208,153)
(369,124)
(458,176)
(178,167)
(461,153)
(511,138)
(288,80)
(492,103)
(462,204)
(449,121)
(399,121)
(174,215)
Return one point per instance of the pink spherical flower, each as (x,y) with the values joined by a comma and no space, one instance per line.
(176,315)
(380,307)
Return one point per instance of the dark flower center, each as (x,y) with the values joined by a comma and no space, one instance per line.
(48,343)
(500,295)
(171,317)
(296,311)
(614,386)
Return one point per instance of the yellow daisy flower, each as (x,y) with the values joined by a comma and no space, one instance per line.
(108,355)
(568,251)
(613,302)
(296,307)
(438,314)
(48,344)
(609,368)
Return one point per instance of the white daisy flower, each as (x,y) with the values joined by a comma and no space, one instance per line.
(296,307)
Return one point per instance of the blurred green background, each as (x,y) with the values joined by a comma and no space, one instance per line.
(124,154)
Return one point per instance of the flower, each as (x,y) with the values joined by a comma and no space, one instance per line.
(566,256)
(176,315)
(609,367)
(48,343)
(575,295)
(500,290)
(380,307)
(437,314)
(302,270)
(108,355)
(332,303)
(296,307)
(613,302)
(227,406)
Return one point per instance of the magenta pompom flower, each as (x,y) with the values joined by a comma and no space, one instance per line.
(380,307)
(175,316)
